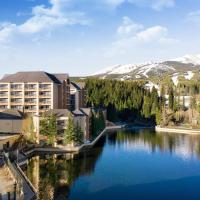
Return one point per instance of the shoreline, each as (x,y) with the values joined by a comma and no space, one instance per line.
(68,149)
(177,130)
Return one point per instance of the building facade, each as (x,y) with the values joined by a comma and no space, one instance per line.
(11,121)
(34,92)
(82,117)
(77,95)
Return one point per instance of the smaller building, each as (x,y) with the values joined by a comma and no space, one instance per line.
(81,116)
(11,121)
(77,95)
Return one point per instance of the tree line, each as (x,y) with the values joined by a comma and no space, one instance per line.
(125,100)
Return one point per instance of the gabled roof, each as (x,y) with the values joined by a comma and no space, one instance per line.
(61,77)
(10,115)
(59,112)
(78,85)
(66,112)
(32,76)
(78,112)
(87,111)
(82,111)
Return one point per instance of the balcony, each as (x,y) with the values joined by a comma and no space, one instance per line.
(30,108)
(3,88)
(30,94)
(16,87)
(3,107)
(3,94)
(16,103)
(30,101)
(45,94)
(31,87)
(17,107)
(44,108)
(45,102)
(3,103)
(45,87)
(16,94)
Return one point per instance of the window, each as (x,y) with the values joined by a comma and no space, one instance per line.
(31,86)
(16,93)
(16,86)
(3,93)
(30,93)
(3,86)
(16,100)
(3,100)
(17,107)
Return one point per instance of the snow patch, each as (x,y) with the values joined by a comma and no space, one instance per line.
(137,76)
(189,59)
(150,85)
(175,79)
(189,75)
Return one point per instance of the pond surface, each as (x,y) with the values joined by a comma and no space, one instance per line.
(128,165)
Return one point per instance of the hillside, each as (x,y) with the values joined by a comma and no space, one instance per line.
(186,66)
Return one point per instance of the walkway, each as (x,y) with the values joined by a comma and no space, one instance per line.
(23,182)
(6,180)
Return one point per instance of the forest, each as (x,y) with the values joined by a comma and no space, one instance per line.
(132,102)
(125,101)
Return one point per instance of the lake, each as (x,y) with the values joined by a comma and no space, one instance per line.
(134,164)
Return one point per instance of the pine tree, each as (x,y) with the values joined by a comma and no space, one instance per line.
(31,130)
(158,116)
(44,125)
(69,131)
(52,128)
(171,98)
(154,100)
(78,134)
(146,109)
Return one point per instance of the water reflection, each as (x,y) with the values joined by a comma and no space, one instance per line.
(55,175)
(182,145)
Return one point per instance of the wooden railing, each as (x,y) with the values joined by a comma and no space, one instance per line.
(29,191)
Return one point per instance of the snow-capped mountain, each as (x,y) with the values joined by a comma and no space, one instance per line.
(189,59)
(185,65)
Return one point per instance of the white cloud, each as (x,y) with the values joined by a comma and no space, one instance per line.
(44,19)
(6,30)
(154,4)
(154,33)
(194,17)
(128,27)
(139,37)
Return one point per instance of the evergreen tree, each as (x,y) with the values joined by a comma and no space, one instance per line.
(69,136)
(158,116)
(31,131)
(146,109)
(78,134)
(52,128)
(171,98)
(154,100)
(44,130)
(48,127)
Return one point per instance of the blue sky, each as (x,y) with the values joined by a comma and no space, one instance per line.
(83,36)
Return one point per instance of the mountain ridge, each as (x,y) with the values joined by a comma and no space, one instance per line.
(182,65)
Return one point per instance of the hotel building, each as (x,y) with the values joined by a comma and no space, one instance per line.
(34,92)
(77,95)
